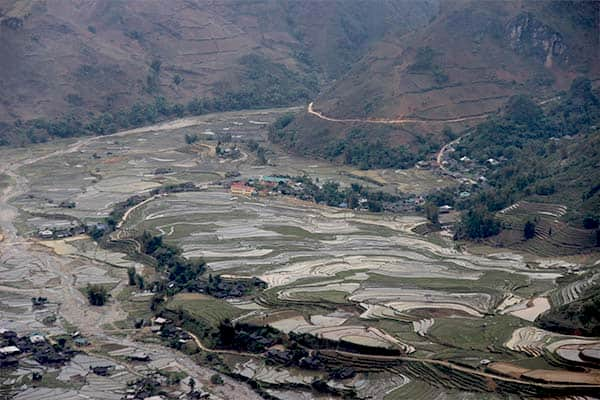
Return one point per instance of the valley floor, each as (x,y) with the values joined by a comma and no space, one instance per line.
(463,322)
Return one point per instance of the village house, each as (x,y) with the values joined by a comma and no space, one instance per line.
(61,230)
(36,338)
(46,234)
(272,180)
(423,164)
(9,350)
(445,209)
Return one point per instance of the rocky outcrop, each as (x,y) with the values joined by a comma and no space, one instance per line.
(530,37)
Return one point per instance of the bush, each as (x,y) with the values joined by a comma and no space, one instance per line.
(216,379)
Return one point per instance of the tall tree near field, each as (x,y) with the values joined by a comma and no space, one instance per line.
(529,230)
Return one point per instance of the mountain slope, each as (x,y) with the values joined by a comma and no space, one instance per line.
(85,56)
(469,60)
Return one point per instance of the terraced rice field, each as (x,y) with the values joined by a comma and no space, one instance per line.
(552,236)
(319,260)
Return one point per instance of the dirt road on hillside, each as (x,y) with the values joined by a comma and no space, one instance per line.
(413,120)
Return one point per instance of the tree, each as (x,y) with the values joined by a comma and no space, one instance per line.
(139,280)
(448,133)
(155,66)
(97,295)
(226,332)
(524,111)
(423,60)
(591,222)
(432,213)
(529,230)
(177,79)
(131,276)
(260,156)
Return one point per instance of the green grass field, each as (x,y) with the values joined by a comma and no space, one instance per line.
(205,308)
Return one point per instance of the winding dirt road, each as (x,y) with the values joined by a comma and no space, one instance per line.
(320,115)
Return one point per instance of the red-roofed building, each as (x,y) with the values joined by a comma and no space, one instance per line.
(240,188)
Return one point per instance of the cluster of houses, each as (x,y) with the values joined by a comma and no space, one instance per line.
(274,185)
(262,186)
(232,152)
(41,348)
(61,229)
(64,229)
(168,330)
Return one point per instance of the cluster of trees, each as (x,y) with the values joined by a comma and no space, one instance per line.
(186,274)
(477,223)
(152,80)
(121,208)
(260,151)
(97,294)
(179,269)
(525,127)
(375,155)
(366,149)
(247,337)
(218,287)
(135,279)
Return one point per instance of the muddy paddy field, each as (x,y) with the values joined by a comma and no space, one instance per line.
(356,278)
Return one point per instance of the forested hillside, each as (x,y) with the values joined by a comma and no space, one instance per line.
(550,155)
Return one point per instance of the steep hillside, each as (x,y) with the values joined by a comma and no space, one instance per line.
(550,156)
(85,56)
(466,63)
(469,60)
(538,170)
